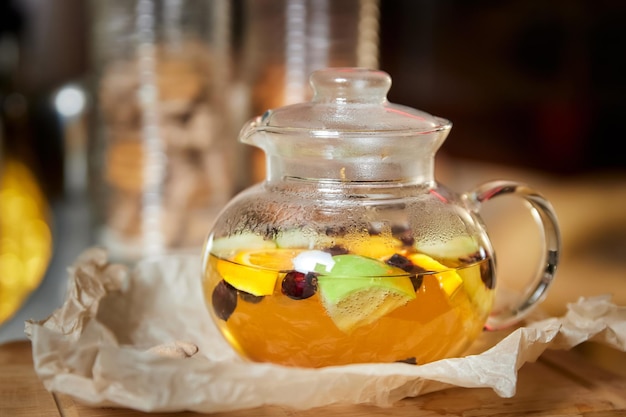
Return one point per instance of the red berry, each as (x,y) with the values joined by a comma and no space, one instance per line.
(299,286)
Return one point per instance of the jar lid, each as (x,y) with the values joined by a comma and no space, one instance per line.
(352,101)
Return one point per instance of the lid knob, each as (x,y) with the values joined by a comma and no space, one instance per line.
(350,85)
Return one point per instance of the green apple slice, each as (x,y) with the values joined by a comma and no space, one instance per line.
(359,290)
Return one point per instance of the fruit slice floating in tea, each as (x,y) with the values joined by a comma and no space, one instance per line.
(256,271)
(224,247)
(296,238)
(377,246)
(274,259)
(458,247)
(358,290)
(405,264)
(480,294)
(448,278)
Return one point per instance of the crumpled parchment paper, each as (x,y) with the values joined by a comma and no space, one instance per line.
(142,338)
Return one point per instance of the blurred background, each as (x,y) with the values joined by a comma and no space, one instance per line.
(535,91)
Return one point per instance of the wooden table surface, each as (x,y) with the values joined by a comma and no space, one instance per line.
(560,383)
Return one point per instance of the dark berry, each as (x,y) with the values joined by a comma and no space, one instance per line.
(397,229)
(471,258)
(401,262)
(250,298)
(486,274)
(486,267)
(336,250)
(299,286)
(224,300)
(403,234)
(336,231)
(406,265)
(411,361)
(417,280)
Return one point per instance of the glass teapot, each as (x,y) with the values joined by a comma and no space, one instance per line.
(350,251)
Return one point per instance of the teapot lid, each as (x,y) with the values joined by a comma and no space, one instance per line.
(352,101)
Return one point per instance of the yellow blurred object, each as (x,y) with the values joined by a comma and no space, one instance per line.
(25,237)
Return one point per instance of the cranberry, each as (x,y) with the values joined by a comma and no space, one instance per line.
(224,300)
(299,286)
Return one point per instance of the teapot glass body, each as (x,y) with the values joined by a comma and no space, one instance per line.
(350,251)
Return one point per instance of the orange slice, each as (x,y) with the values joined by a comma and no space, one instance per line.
(256,271)
(274,259)
(378,247)
(449,280)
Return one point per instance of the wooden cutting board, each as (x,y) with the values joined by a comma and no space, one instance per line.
(558,384)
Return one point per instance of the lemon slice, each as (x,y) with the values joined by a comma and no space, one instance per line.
(449,280)
(482,297)
(256,271)
(358,291)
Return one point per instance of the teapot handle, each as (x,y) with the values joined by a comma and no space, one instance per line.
(546,220)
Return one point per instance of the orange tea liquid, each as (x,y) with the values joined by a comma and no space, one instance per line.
(441,320)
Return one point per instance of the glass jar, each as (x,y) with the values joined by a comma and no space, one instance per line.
(284,41)
(161,154)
